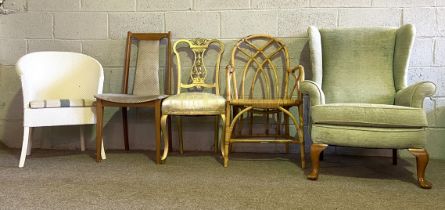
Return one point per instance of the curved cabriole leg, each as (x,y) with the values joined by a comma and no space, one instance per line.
(316,149)
(422,161)
(166,137)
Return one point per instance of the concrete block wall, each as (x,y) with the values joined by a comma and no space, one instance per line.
(98,28)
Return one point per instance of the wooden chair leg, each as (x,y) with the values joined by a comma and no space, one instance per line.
(180,137)
(394,156)
(316,149)
(227,136)
(223,133)
(422,161)
(239,125)
(99,129)
(286,131)
(250,123)
(216,137)
(25,146)
(125,124)
(267,121)
(165,136)
(158,130)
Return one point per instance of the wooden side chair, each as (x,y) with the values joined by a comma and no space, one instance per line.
(58,90)
(146,88)
(191,99)
(268,86)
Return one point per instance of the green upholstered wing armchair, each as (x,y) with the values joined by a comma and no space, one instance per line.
(359,96)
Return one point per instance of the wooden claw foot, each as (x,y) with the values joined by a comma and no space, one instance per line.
(422,161)
(316,149)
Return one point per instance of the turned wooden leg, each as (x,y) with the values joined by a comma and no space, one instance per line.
(316,149)
(422,161)
(394,156)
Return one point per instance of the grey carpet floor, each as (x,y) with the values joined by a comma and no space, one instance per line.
(54,179)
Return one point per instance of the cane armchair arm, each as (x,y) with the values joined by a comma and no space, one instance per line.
(314,91)
(230,75)
(414,95)
(298,80)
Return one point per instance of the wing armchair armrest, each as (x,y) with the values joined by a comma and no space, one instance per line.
(414,95)
(314,91)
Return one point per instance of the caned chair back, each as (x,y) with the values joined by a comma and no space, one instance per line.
(198,78)
(59,75)
(262,67)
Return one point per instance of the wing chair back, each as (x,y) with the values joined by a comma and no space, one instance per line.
(360,65)
(56,75)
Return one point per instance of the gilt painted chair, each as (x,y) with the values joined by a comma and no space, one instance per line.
(145,91)
(359,95)
(196,95)
(267,86)
(58,89)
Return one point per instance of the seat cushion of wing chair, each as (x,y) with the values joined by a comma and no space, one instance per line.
(194,103)
(368,115)
(369,137)
(60,103)
(127,98)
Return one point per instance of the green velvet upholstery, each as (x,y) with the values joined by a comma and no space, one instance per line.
(358,91)
(369,137)
(415,94)
(370,115)
(358,58)
(314,91)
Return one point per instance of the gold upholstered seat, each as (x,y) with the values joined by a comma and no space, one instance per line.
(194,103)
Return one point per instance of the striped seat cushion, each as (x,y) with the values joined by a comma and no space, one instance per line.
(59,103)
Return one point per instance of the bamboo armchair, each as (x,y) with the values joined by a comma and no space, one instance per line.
(264,68)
